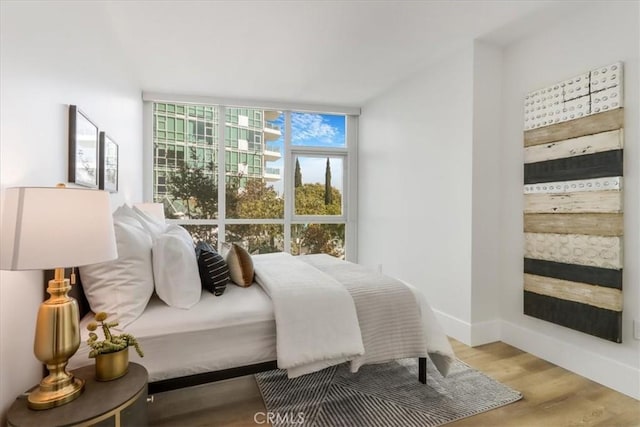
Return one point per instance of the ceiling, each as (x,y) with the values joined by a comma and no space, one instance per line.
(321,52)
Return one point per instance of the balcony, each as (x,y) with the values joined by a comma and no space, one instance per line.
(271,152)
(272,174)
(271,115)
(271,132)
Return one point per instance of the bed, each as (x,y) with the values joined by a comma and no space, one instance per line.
(231,335)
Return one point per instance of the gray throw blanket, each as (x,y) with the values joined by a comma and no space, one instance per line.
(388,314)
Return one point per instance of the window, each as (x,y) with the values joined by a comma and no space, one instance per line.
(278,183)
(319,153)
(318,186)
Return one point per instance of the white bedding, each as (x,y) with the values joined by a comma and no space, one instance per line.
(388,313)
(236,329)
(315,315)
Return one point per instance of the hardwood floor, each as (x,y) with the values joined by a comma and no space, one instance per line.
(553,397)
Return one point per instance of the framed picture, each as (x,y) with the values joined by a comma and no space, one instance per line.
(83,149)
(108,164)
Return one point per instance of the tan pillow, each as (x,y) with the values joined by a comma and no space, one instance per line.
(240,264)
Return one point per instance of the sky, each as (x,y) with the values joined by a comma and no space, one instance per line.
(317,130)
(314,130)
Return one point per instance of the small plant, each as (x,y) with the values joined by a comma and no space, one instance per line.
(111,343)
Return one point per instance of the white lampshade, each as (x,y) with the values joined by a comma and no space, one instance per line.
(45,228)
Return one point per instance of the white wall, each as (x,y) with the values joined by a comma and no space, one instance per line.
(599,35)
(486,193)
(440,186)
(414,185)
(429,188)
(53,55)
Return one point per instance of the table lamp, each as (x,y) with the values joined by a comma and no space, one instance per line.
(54,228)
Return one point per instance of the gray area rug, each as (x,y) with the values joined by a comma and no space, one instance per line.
(380,395)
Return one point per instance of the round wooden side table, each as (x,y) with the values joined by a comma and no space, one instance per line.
(121,402)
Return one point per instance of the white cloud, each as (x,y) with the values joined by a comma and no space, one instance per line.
(307,127)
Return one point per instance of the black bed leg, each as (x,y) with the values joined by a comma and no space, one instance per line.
(422,370)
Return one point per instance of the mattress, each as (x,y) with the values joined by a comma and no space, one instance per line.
(235,329)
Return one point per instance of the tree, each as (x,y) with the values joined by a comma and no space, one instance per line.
(232,195)
(319,238)
(310,200)
(196,188)
(328,193)
(298,175)
(253,198)
(257,200)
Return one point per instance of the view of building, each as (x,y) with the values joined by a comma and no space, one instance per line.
(188,135)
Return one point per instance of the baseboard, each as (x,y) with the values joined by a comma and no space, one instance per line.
(472,335)
(603,370)
(485,332)
(454,327)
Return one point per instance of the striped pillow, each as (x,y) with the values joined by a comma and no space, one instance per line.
(214,272)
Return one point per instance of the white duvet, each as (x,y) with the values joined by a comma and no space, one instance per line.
(316,319)
(328,311)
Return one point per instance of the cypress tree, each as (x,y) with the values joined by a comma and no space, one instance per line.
(328,195)
(298,176)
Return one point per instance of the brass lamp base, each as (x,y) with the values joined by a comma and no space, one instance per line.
(57,339)
(41,398)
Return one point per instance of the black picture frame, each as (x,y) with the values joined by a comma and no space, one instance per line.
(108,164)
(84,163)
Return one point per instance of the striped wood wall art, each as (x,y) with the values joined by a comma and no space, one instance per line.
(592,202)
(602,122)
(588,144)
(575,186)
(591,224)
(573,208)
(581,249)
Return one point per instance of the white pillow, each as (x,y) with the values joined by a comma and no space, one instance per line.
(175,268)
(155,210)
(124,286)
(153,225)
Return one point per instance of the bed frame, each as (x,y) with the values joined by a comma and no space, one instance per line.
(192,380)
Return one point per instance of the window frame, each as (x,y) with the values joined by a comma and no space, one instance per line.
(290,152)
(311,152)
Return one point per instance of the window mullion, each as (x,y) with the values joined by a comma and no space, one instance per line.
(222,199)
(351,190)
(148,152)
(288,182)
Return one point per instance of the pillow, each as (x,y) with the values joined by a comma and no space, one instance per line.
(182,233)
(240,264)
(175,268)
(214,272)
(150,223)
(203,246)
(155,210)
(122,287)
